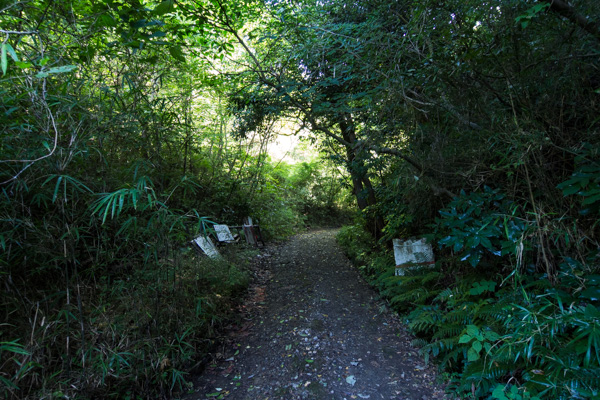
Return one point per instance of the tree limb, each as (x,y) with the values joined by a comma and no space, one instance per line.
(566,10)
(18,32)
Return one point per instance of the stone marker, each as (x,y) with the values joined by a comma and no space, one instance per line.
(412,253)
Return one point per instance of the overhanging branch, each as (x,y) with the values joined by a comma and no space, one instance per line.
(566,10)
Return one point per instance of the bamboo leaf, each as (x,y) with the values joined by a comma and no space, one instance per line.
(106,211)
(114,206)
(11,52)
(121,202)
(8,383)
(13,347)
(56,188)
(3,59)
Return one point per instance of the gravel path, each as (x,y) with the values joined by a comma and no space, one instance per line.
(315,330)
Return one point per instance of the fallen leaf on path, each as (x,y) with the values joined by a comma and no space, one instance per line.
(228,370)
(351,380)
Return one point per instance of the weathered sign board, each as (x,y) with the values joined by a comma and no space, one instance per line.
(412,254)
(252,232)
(207,246)
(223,233)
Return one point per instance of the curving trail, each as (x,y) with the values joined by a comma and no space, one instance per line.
(317,331)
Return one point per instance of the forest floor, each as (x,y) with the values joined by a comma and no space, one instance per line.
(312,328)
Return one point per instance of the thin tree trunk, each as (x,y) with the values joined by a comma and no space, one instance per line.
(361,183)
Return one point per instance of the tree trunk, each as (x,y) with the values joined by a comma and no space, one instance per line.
(361,183)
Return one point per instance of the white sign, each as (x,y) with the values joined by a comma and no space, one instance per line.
(207,246)
(223,233)
(412,253)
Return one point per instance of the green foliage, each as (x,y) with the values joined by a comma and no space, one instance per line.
(511,392)
(531,13)
(478,340)
(514,331)
(502,330)
(481,224)
(585,181)
(15,353)
(357,244)
(465,127)
(487,336)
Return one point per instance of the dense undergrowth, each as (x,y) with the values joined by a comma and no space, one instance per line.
(118,304)
(498,325)
(114,156)
(126,336)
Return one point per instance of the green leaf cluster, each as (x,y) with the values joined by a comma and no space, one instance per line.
(480,224)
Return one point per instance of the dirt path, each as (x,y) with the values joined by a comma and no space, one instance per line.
(316,331)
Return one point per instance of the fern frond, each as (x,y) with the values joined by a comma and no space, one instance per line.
(440,346)
(462,315)
(412,295)
(431,276)
(444,295)
(496,311)
(497,370)
(448,331)
(423,324)
(453,358)
(418,343)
